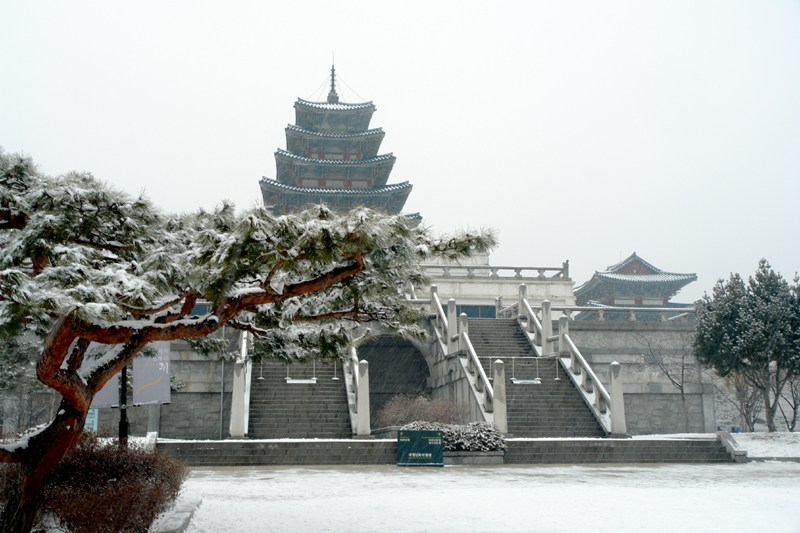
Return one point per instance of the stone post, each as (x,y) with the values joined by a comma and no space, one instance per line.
(237,400)
(362,408)
(521,311)
(547,328)
(563,329)
(463,327)
(499,402)
(238,429)
(498,306)
(434,290)
(452,327)
(617,406)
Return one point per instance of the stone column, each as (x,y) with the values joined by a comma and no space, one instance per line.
(452,327)
(463,327)
(238,431)
(618,426)
(521,311)
(362,407)
(499,402)
(563,329)
(547,328)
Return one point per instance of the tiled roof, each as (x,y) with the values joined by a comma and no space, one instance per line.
(625,262)
(369,161)
(661,277)
(656,276)
(388,189)
(334,107)
(374,131)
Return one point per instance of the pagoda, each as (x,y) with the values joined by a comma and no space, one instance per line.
(631,282)
(332,158)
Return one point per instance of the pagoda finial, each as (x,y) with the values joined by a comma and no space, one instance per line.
(333,98)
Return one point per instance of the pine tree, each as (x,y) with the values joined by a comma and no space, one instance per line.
(752,331)
(81,263)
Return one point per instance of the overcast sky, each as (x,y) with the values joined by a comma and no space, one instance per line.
(579,130)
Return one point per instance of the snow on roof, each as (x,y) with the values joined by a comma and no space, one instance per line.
(368,161)
(366,133)
(266,182)
(341,106)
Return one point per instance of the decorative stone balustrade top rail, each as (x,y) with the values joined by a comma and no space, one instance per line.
(498,272)
(667,314)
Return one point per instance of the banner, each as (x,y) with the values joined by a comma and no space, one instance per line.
(151,376)
(108,396)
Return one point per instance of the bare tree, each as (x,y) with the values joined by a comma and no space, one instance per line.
(674,360)
(793,401)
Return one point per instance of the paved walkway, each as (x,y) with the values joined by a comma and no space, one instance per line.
(732,498)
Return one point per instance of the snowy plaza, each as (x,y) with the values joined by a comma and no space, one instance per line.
(684,498)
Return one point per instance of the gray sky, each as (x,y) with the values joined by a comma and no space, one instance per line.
(580,130)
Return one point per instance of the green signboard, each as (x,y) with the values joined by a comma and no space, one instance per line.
(420,448)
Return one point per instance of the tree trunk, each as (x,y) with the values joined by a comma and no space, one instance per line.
(44,451)
(685,413)
(769,412)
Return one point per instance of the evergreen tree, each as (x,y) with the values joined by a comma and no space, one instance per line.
(752,330)
(81,262)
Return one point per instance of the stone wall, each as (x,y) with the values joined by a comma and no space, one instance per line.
(194,411)
(649,353)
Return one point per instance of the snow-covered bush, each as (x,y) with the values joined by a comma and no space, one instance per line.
(99,487)
(474,437)
(407,408)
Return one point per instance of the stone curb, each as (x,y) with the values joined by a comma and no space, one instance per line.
(177,519)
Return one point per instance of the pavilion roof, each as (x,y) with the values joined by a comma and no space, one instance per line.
(366,133)
(632,272)
(339,106)
(346,162)
(387,189)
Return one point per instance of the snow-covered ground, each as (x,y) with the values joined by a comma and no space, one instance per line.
(769,444)
(685,498)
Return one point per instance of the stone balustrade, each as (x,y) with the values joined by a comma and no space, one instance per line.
(498,272)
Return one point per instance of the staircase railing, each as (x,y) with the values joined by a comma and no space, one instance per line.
(357,385)
(453,336)
(482,383)
(608,409)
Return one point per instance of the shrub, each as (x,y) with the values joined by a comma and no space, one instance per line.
(407,408)
(474,437)
(100,487)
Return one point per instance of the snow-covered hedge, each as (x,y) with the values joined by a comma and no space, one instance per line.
(474,437)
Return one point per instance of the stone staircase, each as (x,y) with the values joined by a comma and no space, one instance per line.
(281,410)
(553,408)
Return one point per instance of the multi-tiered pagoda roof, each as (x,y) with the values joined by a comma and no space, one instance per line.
(633,281)
(331,157)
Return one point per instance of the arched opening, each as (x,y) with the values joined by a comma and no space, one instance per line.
(396,366)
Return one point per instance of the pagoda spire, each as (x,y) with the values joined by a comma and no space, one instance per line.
(333,98)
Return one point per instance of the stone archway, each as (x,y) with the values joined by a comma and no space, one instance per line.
(396,366)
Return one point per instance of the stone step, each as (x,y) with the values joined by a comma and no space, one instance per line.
(373,452)
(551,408)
